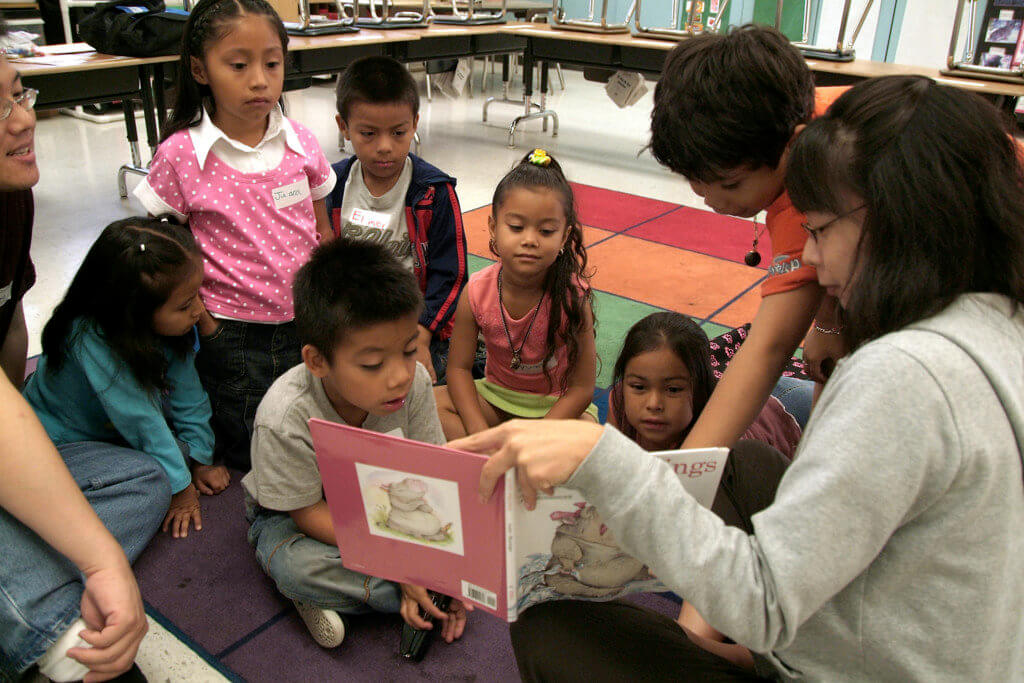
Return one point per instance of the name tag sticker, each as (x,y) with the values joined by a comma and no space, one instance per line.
(5,293)
(370,219)
(287,195)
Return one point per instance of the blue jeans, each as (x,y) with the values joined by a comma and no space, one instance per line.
(796,396)
(237,364)
(40,589)
(309,571)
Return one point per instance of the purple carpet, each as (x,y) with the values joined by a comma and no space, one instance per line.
(209,590)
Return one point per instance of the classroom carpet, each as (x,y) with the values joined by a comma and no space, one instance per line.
(646,256)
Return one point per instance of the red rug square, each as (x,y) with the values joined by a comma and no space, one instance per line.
(706,232)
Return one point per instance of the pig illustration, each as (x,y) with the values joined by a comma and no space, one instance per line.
(589,562)
(410,514)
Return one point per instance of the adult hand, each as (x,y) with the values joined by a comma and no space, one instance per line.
(545,453)
(116,622)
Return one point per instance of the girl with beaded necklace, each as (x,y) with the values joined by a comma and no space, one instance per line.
(252,184)
(533,308)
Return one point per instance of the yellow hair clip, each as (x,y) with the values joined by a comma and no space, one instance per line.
(539,157)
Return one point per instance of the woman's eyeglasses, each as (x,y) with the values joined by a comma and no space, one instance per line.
(813,233)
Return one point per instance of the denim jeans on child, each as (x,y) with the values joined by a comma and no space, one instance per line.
(309,571)
(796,396)
(237,364)
(40,589)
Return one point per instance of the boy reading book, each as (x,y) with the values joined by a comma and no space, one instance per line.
(356,310)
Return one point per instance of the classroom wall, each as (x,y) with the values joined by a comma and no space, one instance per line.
(828,27)
(927,27)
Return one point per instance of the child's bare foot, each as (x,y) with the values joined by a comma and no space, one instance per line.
(210,479)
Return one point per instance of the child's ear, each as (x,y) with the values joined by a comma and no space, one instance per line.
(198,70)
(491,225)
(315,361)
(796,131)
(415,122)
(342,126)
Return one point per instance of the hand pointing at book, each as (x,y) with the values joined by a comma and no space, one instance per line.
(545,453)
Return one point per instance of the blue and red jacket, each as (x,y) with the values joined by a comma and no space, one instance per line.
(434,218)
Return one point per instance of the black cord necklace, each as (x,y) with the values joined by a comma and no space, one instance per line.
(516,353)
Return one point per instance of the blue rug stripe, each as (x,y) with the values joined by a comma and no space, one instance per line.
(210,659)
(253,633)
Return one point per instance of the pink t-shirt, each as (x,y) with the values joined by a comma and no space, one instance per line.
(254,229)
(529,376)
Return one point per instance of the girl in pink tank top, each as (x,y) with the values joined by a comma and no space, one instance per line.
(533,309)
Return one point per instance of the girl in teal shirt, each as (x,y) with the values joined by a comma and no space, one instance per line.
(118,356)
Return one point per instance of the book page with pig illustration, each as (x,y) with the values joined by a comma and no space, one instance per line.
(562,548)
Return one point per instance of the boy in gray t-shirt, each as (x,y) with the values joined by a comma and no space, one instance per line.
(356,310)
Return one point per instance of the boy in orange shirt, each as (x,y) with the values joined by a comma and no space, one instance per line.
(725,112)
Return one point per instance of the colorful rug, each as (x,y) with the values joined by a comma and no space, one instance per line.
(646,255)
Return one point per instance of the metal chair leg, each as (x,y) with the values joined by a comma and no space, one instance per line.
(430,97)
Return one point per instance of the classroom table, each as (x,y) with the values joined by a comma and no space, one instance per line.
(78,76)
(624,51)
(75,75)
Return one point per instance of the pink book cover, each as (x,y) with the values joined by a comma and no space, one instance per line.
(404,514)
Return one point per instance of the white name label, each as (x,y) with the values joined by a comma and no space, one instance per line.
(370,219)
(291,194)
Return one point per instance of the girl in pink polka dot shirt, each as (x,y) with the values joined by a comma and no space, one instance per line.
(252,185)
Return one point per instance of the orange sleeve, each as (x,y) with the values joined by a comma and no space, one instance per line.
(787,271)
(785,225)
(824,97)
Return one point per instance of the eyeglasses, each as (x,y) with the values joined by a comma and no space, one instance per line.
(813,233)
(26,100)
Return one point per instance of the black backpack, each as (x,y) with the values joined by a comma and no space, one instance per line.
(136,28)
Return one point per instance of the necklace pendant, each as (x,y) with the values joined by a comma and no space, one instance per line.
(516,362)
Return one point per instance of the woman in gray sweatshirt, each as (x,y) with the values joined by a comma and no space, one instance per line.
(894,548)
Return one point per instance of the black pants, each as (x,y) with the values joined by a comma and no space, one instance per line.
(237,364)
(590,642)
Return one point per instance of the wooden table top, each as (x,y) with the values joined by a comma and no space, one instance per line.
(858,68)
(80,57)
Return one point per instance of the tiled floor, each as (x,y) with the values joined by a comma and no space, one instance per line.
(634,244)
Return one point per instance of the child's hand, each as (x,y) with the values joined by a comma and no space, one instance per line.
(207,325)
(210,479)
(414,597)
(423,351)
(455,624)
(184,511)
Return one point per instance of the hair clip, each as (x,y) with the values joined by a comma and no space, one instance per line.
(539,157)
(142,247)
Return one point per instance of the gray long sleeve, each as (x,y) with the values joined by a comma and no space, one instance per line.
(893,550)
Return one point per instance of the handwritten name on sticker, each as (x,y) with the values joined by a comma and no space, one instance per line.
(286,195)
(370,219)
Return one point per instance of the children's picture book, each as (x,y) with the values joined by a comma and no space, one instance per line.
(409,512)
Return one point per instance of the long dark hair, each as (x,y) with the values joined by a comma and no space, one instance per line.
(207,23)
(567,281)
(943,188)
(129,272)
(683,337)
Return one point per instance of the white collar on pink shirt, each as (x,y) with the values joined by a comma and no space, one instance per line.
(206,134)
